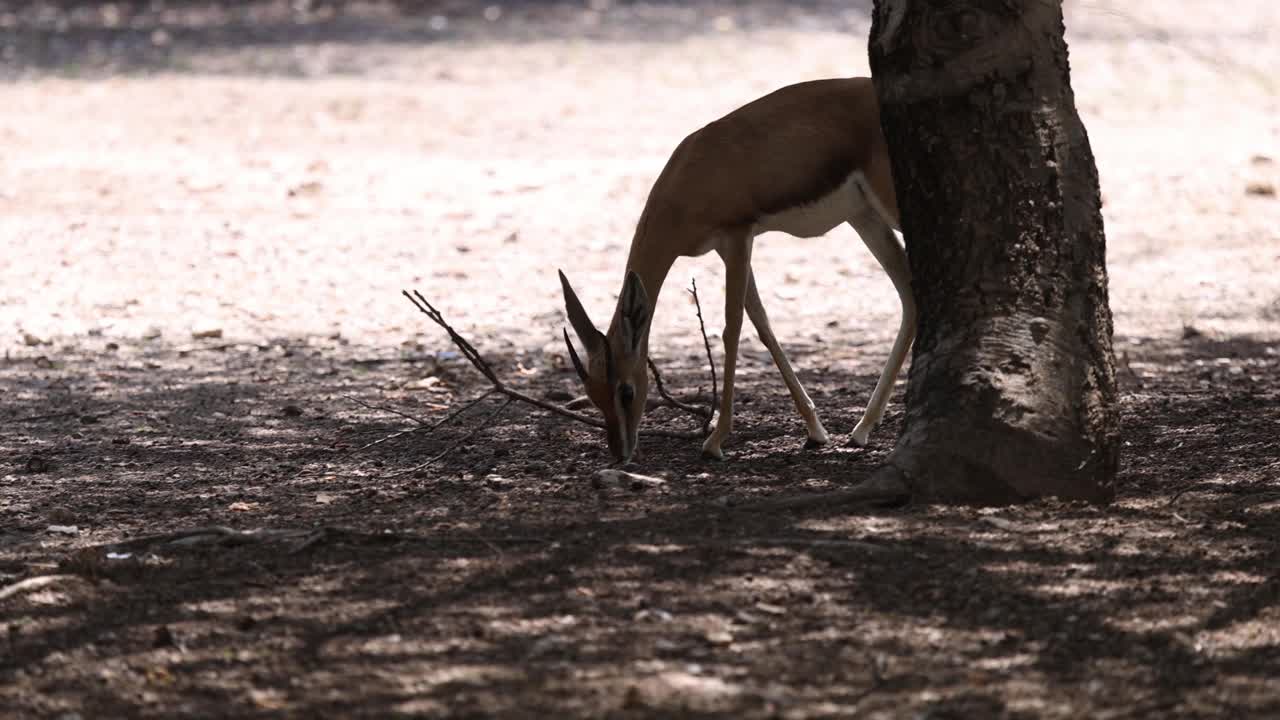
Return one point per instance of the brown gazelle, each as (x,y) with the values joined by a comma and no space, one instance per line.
(801,160)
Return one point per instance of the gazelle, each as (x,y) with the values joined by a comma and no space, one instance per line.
(801,160)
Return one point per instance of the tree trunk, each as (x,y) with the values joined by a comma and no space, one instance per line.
(1012,390)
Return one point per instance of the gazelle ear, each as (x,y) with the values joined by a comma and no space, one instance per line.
(590,337)
(635,312)
(577,362)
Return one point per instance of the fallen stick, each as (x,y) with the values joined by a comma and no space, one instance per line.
(422,426)
(492,416)
(669,400)
(295,540)
(473,356)
(711,363)
(708,414)
(34,583)
(379,408)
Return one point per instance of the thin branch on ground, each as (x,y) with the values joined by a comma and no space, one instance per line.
(709,413)
(465,438)
(473,356)
(203,535)
(422,427)
(1182,491)
(613,476)
(380,408)
(667,398)
(34,583)
(295,539)
(711,363)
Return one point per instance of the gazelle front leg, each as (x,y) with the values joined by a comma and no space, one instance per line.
(884,245)
(736,254)
(755,310)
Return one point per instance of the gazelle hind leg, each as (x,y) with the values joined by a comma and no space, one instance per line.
(884,245)
(736,254)
(755,311)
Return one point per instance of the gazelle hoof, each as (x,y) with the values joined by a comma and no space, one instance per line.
(860,436)
(818,439)
(711,450)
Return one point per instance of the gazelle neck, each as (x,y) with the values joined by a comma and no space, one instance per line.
(652,265)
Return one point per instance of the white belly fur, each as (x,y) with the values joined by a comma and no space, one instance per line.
(851,199)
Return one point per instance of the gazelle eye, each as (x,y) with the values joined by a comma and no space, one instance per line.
(626,393)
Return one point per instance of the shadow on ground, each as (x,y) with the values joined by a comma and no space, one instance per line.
(501,580)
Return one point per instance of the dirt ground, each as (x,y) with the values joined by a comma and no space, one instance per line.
(208,214)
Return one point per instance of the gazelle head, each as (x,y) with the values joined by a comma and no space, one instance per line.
(616,374)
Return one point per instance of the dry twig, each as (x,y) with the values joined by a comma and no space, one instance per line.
(473,356)
(200,536)
(380,408)
(669,400)
(492,416)
(706,415)
(711,363)
(293,540)
(34,583)
(422,426)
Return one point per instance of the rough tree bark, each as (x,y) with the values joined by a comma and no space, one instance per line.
(1011,393)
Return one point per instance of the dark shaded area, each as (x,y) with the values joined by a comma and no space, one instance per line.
(504,582)
(103,38)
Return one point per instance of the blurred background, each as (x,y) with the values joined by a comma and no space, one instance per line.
(265,168)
